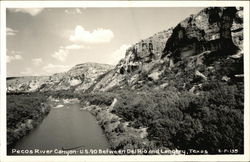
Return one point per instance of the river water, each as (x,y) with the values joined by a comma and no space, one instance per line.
(65,128)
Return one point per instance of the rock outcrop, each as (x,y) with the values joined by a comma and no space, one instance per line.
(213,29)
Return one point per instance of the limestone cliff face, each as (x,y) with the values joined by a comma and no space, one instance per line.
(213,29)
(195,43)
(80,77)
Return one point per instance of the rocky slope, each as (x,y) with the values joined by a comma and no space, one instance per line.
(25,84)
(197,47)
(80,77)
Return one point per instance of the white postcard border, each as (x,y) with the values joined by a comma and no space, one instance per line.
(68,4)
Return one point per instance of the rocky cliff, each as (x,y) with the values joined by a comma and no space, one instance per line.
(80,77)
(197,47)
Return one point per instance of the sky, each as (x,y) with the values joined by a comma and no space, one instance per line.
(43,41)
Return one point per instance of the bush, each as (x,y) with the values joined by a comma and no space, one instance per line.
(211,121)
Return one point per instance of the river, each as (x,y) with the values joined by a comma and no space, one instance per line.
(65,128)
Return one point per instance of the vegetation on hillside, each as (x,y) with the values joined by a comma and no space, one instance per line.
(212,120)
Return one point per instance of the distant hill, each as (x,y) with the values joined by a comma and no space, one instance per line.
(80,77)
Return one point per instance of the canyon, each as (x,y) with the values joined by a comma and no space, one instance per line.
(181,88)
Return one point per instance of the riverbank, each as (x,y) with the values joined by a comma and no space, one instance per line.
(24,113)
(120,134)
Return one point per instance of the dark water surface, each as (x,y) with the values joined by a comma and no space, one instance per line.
(65,128)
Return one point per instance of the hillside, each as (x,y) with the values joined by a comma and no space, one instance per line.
(196,44)
(25,84)
(79,77)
